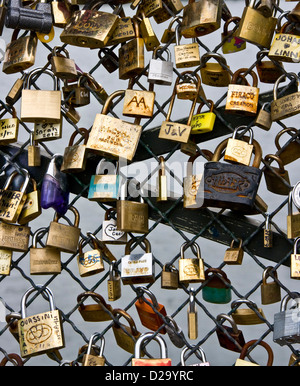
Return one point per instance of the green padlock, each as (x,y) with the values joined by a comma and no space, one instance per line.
(217,289)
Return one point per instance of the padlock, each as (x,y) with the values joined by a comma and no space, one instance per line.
(230,338)
(295,261)
(199,352)
(109,60)
(170,277)
(165,13)
(41,333)
(290,151)
(138,103)
(268,71)
(169,33)
(268,234)
(174,332)
(160,71)
(137,268)
(242,362)
(91,262)
(293,220)
(132,216)
(62,66)
(3,9)
(9,128)
(147,33)
(75,156)
(96,88)
(151,7)
(285,46)
(47,131)
(218,288)
(15,359)
(33,153)
(191,270)
(112,137)
(44,261)
(92,360)
(131,55)
(151,315)
(263,118)
(186,55)
(114,287)
(239,150)
(192,316)
(201,18)
(41,105)
(203,122)
(162,361)
(82,94)
(64,237)
(232,43)
(277,179)
(12,321)
(265,8)
(125,336)
(110,233)
(97,312)
(175,131)
(32,207)
(14,93)
(255,28)
(162,183)
(187,87)
(270,292)
(247,316)
(242,99)
(5,261)
(214,74)
(123,32)
(89,27)
(12,201)
(20,53)
(286,106)
(235,254)
(14,237)
(286,322)
(62,11)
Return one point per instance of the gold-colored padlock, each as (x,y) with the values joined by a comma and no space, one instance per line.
(247,316)
(91,262)
(150,39)
(215,74)
(277,179)
(62,66)
(138,103)
(191,270)
(268,234)
(293,220)
(295,261)
(263,118)
(162,183)
(89,359)
(270,292)
(99,311)
(9,128)
(33,152)
(186,55)
(61,11)
(32,207)
(5,261)
(290,151)
(75,156)
(285,47)
(239,150)
(268,70)
(234,254)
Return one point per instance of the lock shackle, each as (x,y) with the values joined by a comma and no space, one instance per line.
(84,133)
(176,18)
(230,320)
(94,5)
(261,54)
(35,235)
(91,343)
(136,27)
(160,48)
(150,336)
(42,71)
(268,225)
(46,290)
(97,297)
(238,302)
(201,104)
(13,175)
(261,343)
(95,240)
(192,300)
(296,242)
(278,135)
(290,204)
(141,290)
(274,157)
(215,55)
(281,78)
(239,73)
(112,269)
(61,49)
(267,273)
(169,267)
(240,128)
(182,249)
(287,298)
(240,243)
(119,311)
(109,100)
(199,352)
(76,213)
(235,19)
(124,188)
(132,241)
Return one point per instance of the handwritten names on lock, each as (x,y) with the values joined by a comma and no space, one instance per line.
(243,98)
(175,131)
(89,259)
(285,106)
(287,47)
(9,129)
(46,131)
(187,55)
(10,203)
(138,103)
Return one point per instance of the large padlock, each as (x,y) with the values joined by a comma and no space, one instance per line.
(62,66)
(203,122)
(239,150)
(112,137)
(9,128)
(286,322)
(214,74)
(293,220)
(41,105)
(75,156)
(217,289)
(241,98)
(160,71)
(200,354)
(295,261)
(241,360)
(91,262)
(162,361)
(62,236)
(138,103)
(247,316)
(97,312)
(270,292)
(41,333)
(232,43)
(285,47)
(89,27)
(20,53)
(44,261)
(12,201)
(94,360)
(139,267)
(186,55)
(230,338)
(277,179)
(110,233)
(290,151)
(191,270)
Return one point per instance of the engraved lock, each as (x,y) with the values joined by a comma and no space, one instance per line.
(218,287)
(200,354)
(147,33)
(160,71)
(41,105)
(110,233)
(242,362)
(75,156)
(123,143)
(247,316)
(114,287)
(45,260)
(90,262)
(138,103)
(295,261)
(9,128)
(62,66)
(263,119)
(162,183)
(230,338)
(175,131)
(170,277)
(162,361)
(293,220)
(20,53)
(285,46)
(33,153)
(49,322)
(286,106)
(268,71)
(12,201)
(191,270)
(238,150)
(151,7)
(270,292)
(151,312)
(277,179)
(290,151)
(99,311)
(92,360)
(137,268)
(14,237)
(47,131)
(192,316)
(235,254)
(242,99)
(186,55)
(230,42)
(64,237)
(268,234)
(214,74)
(187,87)
(123,32)
(32,207)
(5,261)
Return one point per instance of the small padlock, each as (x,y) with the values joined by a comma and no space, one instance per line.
(138,103)
(215,74)
(203,122)
(109,60)
(75,156)
(186,55)
(192,314)
(290,151)
(162,361)
(234,255)
(5,261)
(239,150)
(169,33)
(268,234)
(160,71)
(33,152)
(242,362)
(47,131)
(293,220)
(277,179)
(97,312)
(268,71)
(217,290)
(270,292)
(91,262)
(62,66)
(162,183)
(247,316)
(44,261)
(110,233)
(188,87)
(92,360)
(170,277)
(198,352)
(82,94)
(9,128)
(191,270)
(150,39)
(114,283)
(295,261)
(230,338)
(263,119)
(230,42)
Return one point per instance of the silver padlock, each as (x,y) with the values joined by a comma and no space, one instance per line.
(198,352)
(287,322)
(160,71)
(110,233)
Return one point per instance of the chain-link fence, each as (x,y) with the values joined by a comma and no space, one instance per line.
(170,226)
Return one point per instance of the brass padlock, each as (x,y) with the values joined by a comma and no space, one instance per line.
(270,292)
(295,261)
(162,183)
(150,39)
(14,237)
(170,277)
(186,55)
(91,262)
(268,234)
(277,179)
(32,207)
(187,87)
(89,359)
(247,316)
(82,94)
(61,11)
(239,150)
(234,255)
(230,42)
(293,220)
(138,103)
(192,316)
(44,261)
(14,93)
(285,46)
(41,105)
(169,33)
(268,70)
(97,312)
(62,66)
(263,118)
(75,156)
(9,128)
(114,287)
(123,32)
(5,261)
(64,237)
(290,151)
(191,270)
(108,59)
(215,74)
(33,152)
